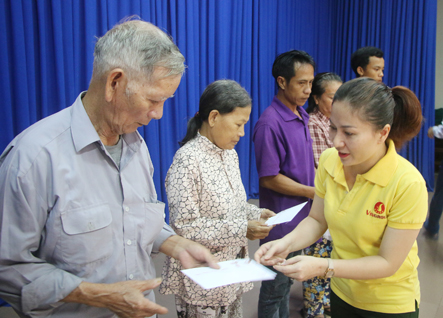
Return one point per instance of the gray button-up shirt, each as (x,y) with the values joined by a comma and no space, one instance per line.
(68,214)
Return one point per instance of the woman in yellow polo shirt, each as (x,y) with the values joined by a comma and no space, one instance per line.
(373,201)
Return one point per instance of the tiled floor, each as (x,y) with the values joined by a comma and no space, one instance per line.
(430,273)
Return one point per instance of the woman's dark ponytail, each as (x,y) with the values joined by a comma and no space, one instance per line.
(194,124)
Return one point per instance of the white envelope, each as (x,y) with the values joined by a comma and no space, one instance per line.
(285,215)
(230,272)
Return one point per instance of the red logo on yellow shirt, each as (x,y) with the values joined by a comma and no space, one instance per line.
(379,208)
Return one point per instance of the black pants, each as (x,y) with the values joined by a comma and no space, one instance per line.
(341,309)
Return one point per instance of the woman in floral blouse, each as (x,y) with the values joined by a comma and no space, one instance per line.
(207,200)
(316,290)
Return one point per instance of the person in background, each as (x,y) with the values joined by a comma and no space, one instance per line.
(316,291)
(319,109)
(373,201)
(207,200)
(79,216)
(432,224)
(285,163)
(368,61)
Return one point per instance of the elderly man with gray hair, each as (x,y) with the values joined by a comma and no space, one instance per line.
(79,216)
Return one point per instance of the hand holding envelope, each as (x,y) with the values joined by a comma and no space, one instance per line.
(257,229)
(240,270)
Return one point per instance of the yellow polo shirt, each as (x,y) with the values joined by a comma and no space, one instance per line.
(393,193)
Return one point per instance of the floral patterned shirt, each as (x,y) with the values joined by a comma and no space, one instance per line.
(207,204)
(319,129)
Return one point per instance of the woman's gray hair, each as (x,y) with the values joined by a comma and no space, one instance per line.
(138,47)
(319,85)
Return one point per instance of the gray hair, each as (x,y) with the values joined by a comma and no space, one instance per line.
(138,47)
(319,85)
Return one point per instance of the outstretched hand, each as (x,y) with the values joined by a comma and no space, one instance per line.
(196,255)
(189,253)
(272,253)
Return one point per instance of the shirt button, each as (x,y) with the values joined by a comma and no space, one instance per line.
(128,242)
(131,276)
(126,208)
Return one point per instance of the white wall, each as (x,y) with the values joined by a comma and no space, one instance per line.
(439,57)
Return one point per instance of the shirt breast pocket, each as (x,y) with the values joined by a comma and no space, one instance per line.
(87,234)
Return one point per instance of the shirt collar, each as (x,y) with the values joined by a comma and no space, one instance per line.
(84,133)
(209,144)
(287,114)
(334,168)
(385,168)
(321,116)
(381,173)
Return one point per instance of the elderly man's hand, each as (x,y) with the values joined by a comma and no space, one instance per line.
(125,299)
(189,253)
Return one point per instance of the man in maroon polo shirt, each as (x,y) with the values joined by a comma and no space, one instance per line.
(285,163)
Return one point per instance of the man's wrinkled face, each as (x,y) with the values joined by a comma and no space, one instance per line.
(137,105)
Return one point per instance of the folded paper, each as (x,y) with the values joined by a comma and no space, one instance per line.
(285,215)
(230,272)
